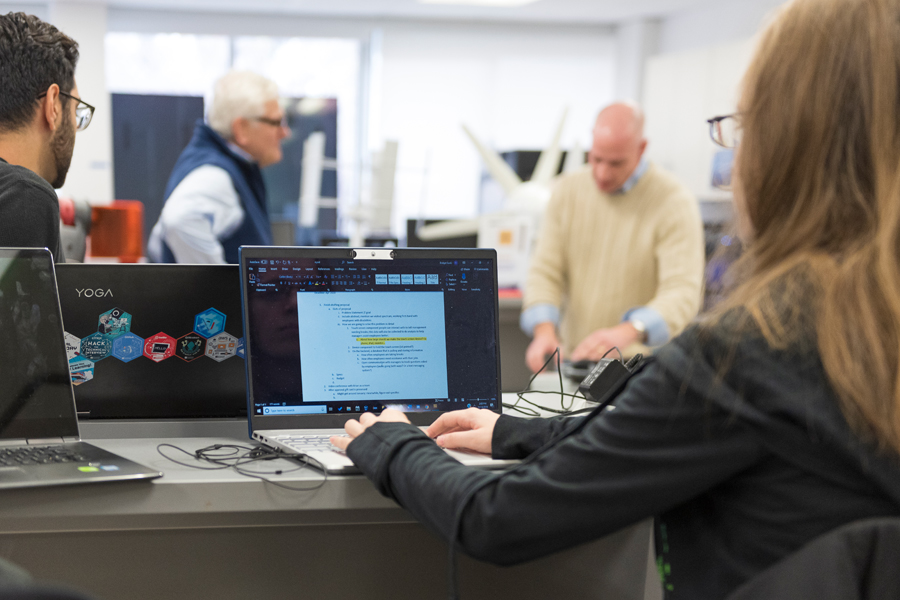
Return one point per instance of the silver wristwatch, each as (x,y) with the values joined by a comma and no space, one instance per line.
(641,328)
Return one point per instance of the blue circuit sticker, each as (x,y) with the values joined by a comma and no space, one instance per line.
(128,347)
(209,323)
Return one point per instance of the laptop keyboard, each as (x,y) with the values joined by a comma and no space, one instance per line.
(37,455)
(307,443)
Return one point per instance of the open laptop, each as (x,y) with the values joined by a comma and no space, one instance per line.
(331,333)
(154,341)
(39,439)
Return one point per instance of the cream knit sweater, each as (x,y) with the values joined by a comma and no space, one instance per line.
(600,255)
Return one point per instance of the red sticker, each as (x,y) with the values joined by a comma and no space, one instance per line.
(159,347)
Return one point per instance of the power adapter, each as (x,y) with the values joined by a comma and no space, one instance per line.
(606,379)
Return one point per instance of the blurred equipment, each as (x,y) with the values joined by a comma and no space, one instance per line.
(414,241)
(311,179)
(114,230)
(369,242)
(284,233)
(513,229)
(513,236)
(75,225)
(721,168)
(303,187)
(374,217)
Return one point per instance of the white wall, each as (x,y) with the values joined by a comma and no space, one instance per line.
(715,23)
(636,41)
(38,9)
(695,76)
(91,174)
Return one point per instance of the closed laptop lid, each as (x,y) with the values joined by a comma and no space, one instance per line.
(332,332)
(154,341)
(35,393)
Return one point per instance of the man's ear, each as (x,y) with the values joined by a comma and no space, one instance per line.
(239,129)
(643,146)
(51,108)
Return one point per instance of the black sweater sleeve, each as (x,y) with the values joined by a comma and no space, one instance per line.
(666,441)
(516,437)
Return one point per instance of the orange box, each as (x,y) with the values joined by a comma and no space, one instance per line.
(118,230)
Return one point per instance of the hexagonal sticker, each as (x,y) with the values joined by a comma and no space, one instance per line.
(114,323)
(240,348)
(128,347)
(81,370)
(190,347)
(159,347)
(95,347)
(209,323)
(73,346)
(222,346)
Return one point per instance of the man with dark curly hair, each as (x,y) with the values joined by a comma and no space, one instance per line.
(40,111)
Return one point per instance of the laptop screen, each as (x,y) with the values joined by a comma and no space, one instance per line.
(35,396)
(330,333)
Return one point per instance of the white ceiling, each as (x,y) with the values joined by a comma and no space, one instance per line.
(545,11)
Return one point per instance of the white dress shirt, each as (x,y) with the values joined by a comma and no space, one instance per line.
(203,209)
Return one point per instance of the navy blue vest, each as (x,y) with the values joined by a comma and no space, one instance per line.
(208,148)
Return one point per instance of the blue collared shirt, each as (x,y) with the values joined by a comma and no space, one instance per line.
(636,175)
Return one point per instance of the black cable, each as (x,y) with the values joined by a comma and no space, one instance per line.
(616,348)
(534,413)
(236,456)
(531,412)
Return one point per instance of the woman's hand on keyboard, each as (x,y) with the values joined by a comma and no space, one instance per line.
(354,428)
(468,429)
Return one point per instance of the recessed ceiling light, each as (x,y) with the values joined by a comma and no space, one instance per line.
(504,3)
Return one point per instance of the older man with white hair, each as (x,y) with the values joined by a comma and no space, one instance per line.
(216,197)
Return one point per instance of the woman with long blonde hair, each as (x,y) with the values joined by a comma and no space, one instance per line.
(770,422)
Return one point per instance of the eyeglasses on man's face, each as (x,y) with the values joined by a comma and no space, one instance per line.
(282,122)
(84,112)
(725,130)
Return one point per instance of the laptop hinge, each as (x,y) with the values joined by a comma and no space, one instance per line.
(45,441)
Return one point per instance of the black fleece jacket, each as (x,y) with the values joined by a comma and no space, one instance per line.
(740,466)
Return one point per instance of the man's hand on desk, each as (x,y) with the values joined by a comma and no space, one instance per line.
(469,429)
(354,428)
(543,345)
(594,346)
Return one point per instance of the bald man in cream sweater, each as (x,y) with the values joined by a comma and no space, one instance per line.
(620,258)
